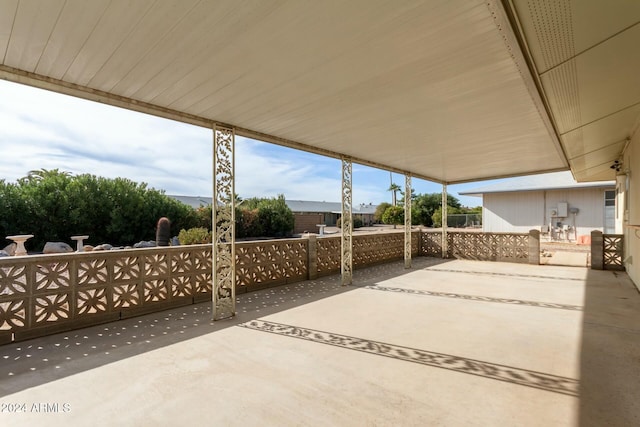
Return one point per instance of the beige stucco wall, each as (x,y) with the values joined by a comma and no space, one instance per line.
(631,165)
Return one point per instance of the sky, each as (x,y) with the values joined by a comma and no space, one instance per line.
(40,129)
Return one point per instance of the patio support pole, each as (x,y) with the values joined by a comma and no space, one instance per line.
(346,268)
(407,221)
(445,248)
(223,216)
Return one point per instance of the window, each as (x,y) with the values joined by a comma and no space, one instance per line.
(610,198)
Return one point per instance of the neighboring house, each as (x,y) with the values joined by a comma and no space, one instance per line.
(553,203)
(193,201)
(308,214)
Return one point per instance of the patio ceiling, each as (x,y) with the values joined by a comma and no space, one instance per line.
(587,61)
(437,89)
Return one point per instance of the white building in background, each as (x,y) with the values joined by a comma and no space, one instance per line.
(553,203)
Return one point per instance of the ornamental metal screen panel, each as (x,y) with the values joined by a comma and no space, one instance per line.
(613,251)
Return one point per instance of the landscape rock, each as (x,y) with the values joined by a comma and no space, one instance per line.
(56,248)
(87,248)
(4,253)
(145,244)
(103,247)
(175,241)
(10,249)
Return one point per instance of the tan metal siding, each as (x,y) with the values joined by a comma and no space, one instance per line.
(516,212)
(632,236)
(590,202)
(527,210)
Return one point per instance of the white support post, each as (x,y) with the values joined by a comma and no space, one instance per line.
(223,213)
(346,268)
(445,248)
(407,221)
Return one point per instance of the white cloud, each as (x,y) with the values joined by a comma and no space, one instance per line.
(46,130)
(42,129)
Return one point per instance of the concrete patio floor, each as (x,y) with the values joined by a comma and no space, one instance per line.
(447,343)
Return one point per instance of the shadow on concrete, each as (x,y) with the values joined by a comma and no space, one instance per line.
(41,360)
(610,351)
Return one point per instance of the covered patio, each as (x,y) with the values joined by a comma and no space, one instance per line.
(446,343)
(449,91)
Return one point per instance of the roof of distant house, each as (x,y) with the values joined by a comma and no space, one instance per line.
(548,181)
(193,201)
(308,206)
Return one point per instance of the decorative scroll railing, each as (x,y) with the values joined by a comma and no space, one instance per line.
(44,294)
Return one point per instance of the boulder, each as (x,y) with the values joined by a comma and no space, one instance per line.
(87,248)
(56,248)
(143,244)
(10,249)
(103,247)
(175,241)
(4,253)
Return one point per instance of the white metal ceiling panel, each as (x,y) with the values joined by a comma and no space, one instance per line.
(587,59)
(6,24)
(437,89)
(33,22)
(602,133)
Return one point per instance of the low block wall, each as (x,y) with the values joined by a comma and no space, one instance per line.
(607,251)
(45,294)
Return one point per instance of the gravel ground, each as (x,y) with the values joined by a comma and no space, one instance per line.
(564,247)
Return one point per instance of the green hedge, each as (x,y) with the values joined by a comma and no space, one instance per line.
(54,205)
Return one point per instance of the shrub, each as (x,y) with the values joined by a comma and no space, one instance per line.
(194,236)
(356,222)
(393,215)
(54,205)
(275,217)
(377,216)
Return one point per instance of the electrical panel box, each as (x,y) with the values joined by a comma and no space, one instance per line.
(562,209)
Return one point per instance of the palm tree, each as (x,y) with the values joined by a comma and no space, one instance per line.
(394,188)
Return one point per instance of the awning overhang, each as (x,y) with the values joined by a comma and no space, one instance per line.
(440,90)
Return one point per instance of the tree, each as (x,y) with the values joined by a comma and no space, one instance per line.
(425,205)
(437,215)
(275,217)
(55,205)
(377,216)
(393,215)
(394,188)
(413,196)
